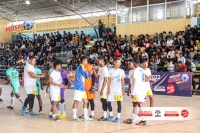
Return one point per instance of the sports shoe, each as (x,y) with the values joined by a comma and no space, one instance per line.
(40,112)
(58,115)
(92,90)
(116,120)
(23,111)
(63,116)
(110,118)
(32,113)
(128,121)
(50,116)
(135,120)
(91,117)
(88,119)
(81,117)
(55,118)
(10,107)
(142,123)
(76,119)
(102,119)
(1,100)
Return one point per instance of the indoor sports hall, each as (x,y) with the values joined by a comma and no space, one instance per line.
(99,66)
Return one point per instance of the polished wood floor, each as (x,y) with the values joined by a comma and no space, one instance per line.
(11,121)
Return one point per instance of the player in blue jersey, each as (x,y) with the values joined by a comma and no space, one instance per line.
(79,89)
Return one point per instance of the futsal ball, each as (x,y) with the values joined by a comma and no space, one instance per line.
(28,24)
(185,77)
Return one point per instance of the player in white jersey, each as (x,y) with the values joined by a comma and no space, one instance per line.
(30,85)
(148,77)
(115,88)
(138,92)
(55,81)
(130,76)
(102,88)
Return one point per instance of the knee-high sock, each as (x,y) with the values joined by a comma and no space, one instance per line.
(12,101)
(58,108)
(21,100)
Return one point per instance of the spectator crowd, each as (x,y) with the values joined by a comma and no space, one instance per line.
(164,51)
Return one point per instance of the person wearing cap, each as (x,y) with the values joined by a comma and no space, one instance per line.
(181,58)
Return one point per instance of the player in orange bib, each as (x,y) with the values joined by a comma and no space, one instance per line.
(90,87)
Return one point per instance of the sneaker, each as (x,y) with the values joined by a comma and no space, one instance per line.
(141,123)
(128,121)
(76,119)
(102,119)
(81,117)
(55,118)
(62,116)
(32,113)
(116,120)
(50,116)
(40,112)
(196,86)
(91,117)
(10,107)
(1,100)
(61,52)
(110,118)
(88,119)
(135,120)
(23,111)
(58,115)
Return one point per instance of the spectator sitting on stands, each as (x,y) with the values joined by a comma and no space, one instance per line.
(171,66)
(88,39)
(117,53)
(2,46)
(169,42)
(171,54)
(181,58)
(182,67)
(197,57)
(153,66)
(186,52)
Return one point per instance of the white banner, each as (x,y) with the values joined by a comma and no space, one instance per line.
(167,113)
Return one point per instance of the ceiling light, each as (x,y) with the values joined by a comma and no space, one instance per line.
(28,2)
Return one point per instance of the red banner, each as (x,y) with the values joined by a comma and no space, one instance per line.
(14,27)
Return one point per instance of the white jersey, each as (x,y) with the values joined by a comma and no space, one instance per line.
(147,72)
(103,73)
(57,78)
(138,82)
(27,78)
(116,76)
(130,77)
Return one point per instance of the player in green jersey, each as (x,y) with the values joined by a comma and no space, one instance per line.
(13,79)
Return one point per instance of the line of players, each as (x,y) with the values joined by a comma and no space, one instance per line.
(111,88)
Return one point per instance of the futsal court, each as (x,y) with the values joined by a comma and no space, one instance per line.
(11,121)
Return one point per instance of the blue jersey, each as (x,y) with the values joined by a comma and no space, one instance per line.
(81,75)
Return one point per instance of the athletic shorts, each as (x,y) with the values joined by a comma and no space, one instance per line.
(30,88)
(149,92)
(79,95)
(139,98)
(115,96)
(55,94)
(15,89)
(38,91)
(104,95)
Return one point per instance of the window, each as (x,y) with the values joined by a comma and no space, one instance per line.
(139,3)
(124,16)
(140,14)
(123,4)
(157,12)
(156,1)
(175,10)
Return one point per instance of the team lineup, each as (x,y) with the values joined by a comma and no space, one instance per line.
(111,88)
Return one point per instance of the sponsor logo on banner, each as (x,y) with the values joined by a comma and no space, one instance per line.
(167,113)
(171,89)
(157,112)
(184,113)
(159,88)
(171,114)
(145,113)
